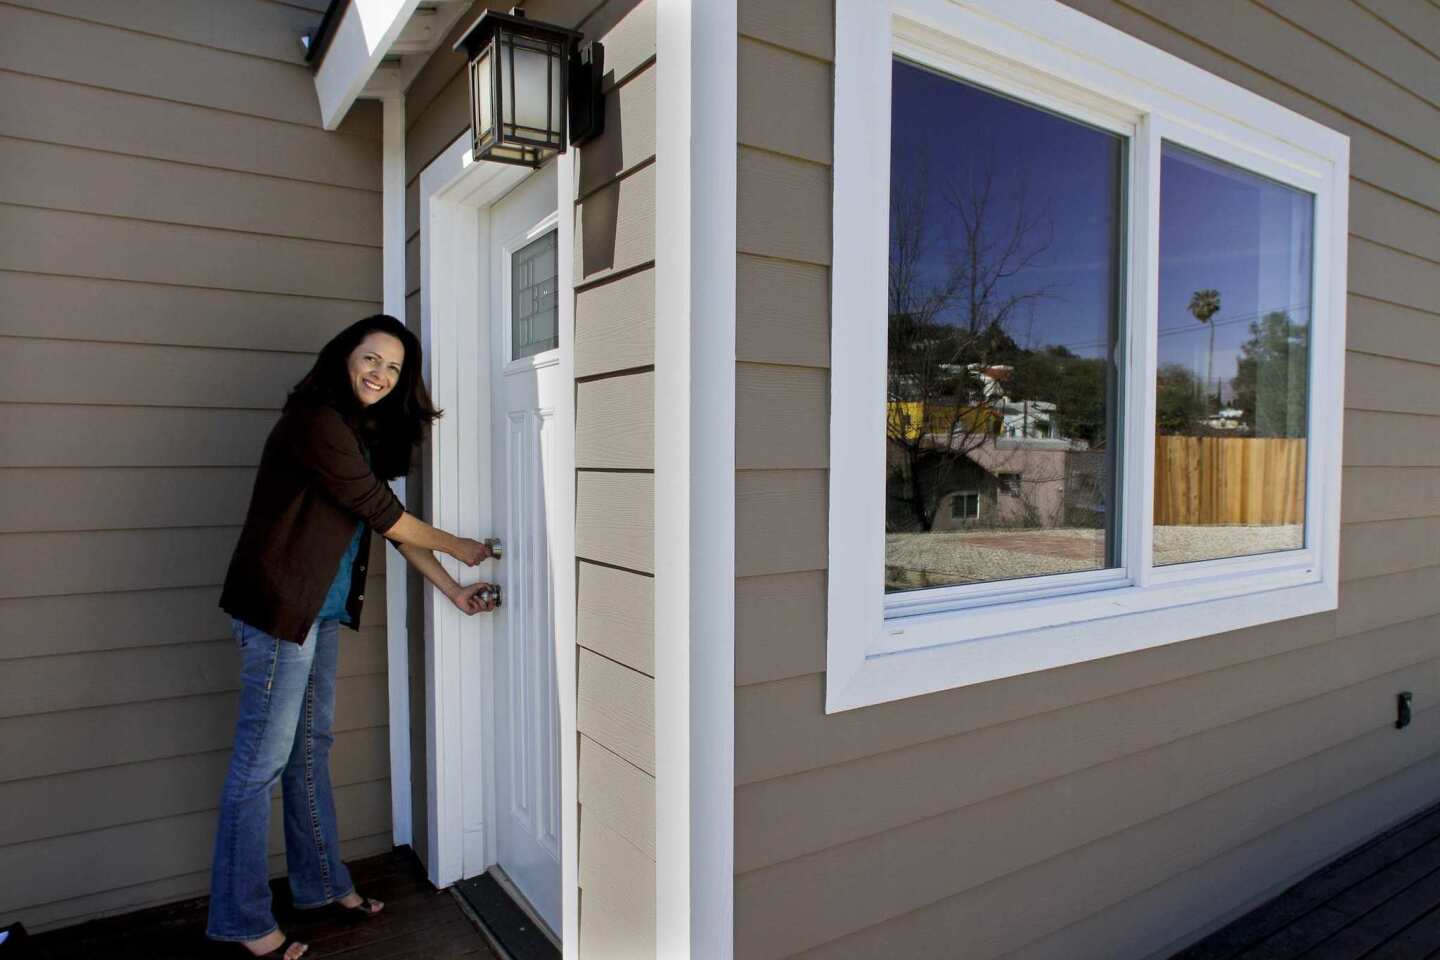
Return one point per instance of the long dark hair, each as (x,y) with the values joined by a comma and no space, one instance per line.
(391,428)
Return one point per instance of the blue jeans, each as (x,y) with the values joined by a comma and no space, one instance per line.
(287,706)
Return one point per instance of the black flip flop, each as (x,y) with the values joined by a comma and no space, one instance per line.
(360,912)
(277,954)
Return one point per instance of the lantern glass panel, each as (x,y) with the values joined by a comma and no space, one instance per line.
(484,97)
(533,99)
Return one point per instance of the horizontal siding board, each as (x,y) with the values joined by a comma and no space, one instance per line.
(72,371)
(55,111)
(615,519)
(782,312)
(615,325)
(1409,19)
(618,793)
(813,739)
(785,102)
(627,30)
(86,181)
(1375,602)
(80,308)
(1389,546)
(779,521)
(1389,493)
(89,680)
(51,564)
(1178,911)
(1394,222)
(1395,386)
(1396,276)
(615,227)
(1156,784)
(1367,40)
(615,615)
(615,423)
(1390,330)
(173,786)
(152,850)
(437,125)
(782,417)
(1234,723)
(629,136)
(1015,909)
(806,26)
(76,435)
(779,627)
(1380,439)
(783,207)
(53,626)
(36,241)
(615,707)
(260,29)
(1374,156)
(617,895)
(38,746)
(87,499)
(59,47)
(73,909)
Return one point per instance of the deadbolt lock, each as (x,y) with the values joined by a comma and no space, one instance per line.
(497,547)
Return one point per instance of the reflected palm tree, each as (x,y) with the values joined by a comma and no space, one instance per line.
(1204,304)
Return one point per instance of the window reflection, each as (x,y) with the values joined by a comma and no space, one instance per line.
(1232,379)
(1005,234)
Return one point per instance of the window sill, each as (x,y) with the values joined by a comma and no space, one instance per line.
(906,656)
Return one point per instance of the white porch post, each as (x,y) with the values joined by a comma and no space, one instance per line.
(696,43)
(397,636)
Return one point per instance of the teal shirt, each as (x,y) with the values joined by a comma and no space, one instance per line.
(334,607)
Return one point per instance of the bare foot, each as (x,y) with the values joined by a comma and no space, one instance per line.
(265,944)
(354,900)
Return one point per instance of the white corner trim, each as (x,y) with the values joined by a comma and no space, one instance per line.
(696,110)
(360,40)
(397,634)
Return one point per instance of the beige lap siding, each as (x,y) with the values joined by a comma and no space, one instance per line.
(178,237)
(614,211)
(1112,808)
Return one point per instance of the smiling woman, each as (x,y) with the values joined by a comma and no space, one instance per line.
(353,422)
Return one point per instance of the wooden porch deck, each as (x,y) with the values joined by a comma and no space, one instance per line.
(1379,902)
(418,922)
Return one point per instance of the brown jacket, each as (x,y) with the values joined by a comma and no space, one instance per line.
(313,485)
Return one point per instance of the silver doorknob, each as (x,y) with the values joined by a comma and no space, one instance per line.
(497,547)
(489,594)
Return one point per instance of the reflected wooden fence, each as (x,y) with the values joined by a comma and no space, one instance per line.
(1204,480)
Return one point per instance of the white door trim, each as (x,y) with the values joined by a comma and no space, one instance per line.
(696,110)
(455,192)
(397,634)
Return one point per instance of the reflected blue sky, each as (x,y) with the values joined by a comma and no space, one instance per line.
(1224,229)
(947,134)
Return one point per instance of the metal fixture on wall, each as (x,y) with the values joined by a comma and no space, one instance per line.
(530,85)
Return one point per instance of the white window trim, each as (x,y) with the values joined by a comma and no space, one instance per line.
(1049,54)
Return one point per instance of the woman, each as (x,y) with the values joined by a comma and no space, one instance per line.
(298,572)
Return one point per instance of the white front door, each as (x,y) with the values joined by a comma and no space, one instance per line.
(525,385)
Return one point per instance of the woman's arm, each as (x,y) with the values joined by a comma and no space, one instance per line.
(411,531)
(463,597)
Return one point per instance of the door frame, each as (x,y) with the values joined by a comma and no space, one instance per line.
(455,193)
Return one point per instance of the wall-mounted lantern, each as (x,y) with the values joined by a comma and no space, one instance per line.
(532,91)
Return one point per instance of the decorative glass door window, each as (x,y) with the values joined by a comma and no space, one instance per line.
(534,297)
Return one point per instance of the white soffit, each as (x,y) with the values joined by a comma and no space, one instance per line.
(377,48)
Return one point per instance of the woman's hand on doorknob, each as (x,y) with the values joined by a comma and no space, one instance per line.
(477,598)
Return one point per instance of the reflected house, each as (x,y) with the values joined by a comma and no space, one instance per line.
(1016,469)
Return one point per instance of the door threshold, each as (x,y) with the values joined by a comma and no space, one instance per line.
(505,918)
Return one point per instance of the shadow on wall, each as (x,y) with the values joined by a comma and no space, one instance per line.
(600,162)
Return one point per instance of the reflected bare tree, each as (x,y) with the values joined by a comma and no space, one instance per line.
(950,302)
